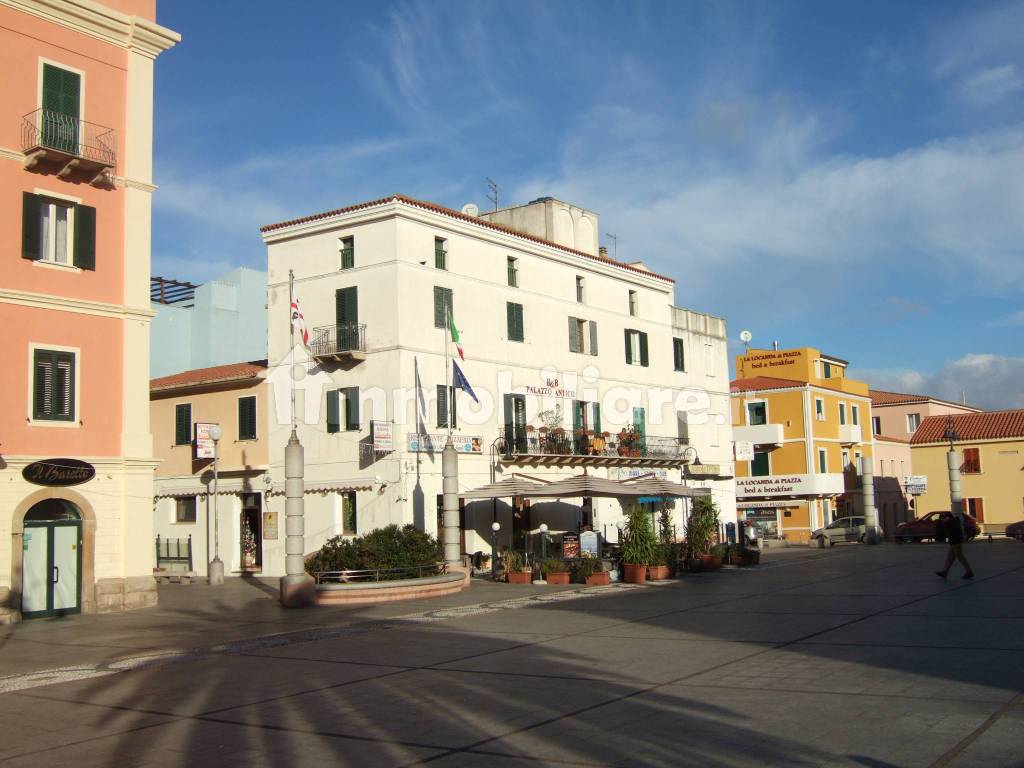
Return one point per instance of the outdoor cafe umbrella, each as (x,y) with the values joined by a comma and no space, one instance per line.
(510,486)
(588,485)
(655,486)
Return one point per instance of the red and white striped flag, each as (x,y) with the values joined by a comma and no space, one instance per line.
(299,322)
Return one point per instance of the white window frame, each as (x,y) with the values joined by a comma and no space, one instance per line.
(876,425)
(174,510)
(855,415)
(634,303)
(842,414)
(915,427)
(846,459)
(823,460)
(74,423)
(746,410)
(819,412)
(634,346)
(55,200)
(581,289)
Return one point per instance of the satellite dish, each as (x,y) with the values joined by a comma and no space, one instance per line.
(745,336)
(470,209)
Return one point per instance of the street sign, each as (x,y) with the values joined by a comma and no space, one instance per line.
(744,450)
(916,484)
(204,443)
(383,436)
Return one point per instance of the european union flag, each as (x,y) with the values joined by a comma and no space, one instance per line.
(460,382)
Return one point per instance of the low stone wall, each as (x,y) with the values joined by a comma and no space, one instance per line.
(125,594)
(361,593)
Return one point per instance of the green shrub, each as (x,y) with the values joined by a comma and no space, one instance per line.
(702,526)
(512,561)
(389,547)
(638,541)
(586,566)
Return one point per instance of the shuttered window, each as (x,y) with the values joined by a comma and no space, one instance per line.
(446,401)
(678,355)
(442,306)
(58,231)
(440,253)
(333,411)
(575,336)
(183,424)
(247,418)
(347,252)
(53,386)
(345,402)
(759,466)
(972,461)
(636,348)
(514,319)
(62,101)
(351,395)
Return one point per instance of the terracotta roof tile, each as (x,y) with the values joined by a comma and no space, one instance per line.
(987,425)
(881,397)
(213,375)
(462,217)
(892,439)
(758,383)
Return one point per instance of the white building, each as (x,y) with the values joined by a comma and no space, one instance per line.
(552,329)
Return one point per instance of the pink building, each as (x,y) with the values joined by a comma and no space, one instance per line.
(895,417)
(76,455)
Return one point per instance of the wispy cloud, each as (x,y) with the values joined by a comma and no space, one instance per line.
(991,85)
(988,381)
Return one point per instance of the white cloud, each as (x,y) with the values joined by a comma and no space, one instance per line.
(990,85)
(993,382)
(1010,320)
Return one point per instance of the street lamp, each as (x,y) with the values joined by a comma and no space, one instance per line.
(495,527)
(215,572)
(543,541)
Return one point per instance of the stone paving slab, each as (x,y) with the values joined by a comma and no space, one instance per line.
(965,632)
(708,627)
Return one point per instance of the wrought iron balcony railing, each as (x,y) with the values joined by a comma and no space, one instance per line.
(627,445)
(48,132)
(339,340)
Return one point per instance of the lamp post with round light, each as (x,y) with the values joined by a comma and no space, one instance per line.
(215,572)
(495,527)
(543,541)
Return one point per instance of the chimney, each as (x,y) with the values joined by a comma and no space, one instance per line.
(602,251)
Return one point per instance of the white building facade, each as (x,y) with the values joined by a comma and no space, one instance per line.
(579,362)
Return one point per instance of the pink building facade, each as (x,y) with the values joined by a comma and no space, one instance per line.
(76,455)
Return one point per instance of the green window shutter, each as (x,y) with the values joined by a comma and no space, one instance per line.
(31,218)
(520,330)
(678,355)
(593,337)
(61,90)
(574,335)
(333,412)
(183,424)
(629,348)
(640,421)
(42,388)
(442,405)
(509,422)
(348,252)
(510,320)
(577,414)
(346,305)
(352,408)
(643,350)
(442,306)
(85,237)
(597,418)
(247,418)
(759,466)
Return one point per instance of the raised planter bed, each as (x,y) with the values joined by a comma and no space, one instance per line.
(355,593)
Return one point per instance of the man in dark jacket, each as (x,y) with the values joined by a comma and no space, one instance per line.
(952,527)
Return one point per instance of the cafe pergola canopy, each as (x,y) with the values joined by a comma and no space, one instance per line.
(584,485)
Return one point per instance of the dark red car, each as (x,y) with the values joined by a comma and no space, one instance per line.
(1016,530)
(924,528)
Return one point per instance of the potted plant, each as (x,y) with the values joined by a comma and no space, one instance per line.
(588,569)
(700,530)
(638,545)
(659,569)
(513,564)
(555,570)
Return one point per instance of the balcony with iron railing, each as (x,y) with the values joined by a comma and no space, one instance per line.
(75,145)
(342,341)
(582,447)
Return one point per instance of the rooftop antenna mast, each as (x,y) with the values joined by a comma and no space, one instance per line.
(615,244)
(493,186)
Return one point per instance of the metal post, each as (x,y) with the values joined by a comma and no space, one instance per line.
(495,527)
(868,489)
(297,587)
(215,571)
(450,489)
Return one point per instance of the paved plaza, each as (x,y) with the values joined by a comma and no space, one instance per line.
(853,656)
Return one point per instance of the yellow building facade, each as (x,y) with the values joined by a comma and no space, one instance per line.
(990,452)
(800,427)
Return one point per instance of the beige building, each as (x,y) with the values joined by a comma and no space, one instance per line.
(182,407)
(990,449)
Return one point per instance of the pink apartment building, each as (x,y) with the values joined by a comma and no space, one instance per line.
(76,455)
(895,417)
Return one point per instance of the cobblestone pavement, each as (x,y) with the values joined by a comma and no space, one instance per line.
(855,656)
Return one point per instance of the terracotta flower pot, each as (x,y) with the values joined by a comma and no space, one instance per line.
(710,562)
(557,578)
(520,577)
(658,572)
(634,574)
(599,579)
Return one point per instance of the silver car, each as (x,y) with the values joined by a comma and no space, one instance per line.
(843,529)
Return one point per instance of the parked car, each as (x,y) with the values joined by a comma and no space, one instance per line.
(843,529)
(924,527)
(1016,530)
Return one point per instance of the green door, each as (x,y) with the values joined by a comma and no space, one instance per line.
(346,306)
(61,105)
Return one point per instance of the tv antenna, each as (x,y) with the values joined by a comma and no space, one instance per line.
(615,244)
(745,337)
(493,186)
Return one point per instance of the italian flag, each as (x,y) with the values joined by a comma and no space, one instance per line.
(455,336)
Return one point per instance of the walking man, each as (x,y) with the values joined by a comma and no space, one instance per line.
(952,526)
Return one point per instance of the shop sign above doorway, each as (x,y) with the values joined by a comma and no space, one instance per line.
(57,473)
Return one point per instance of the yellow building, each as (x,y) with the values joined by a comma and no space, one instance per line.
(990,448)
(800,427)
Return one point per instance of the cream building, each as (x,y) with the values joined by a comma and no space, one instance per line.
(579,362)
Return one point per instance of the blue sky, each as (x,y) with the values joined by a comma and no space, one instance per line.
(842,175)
